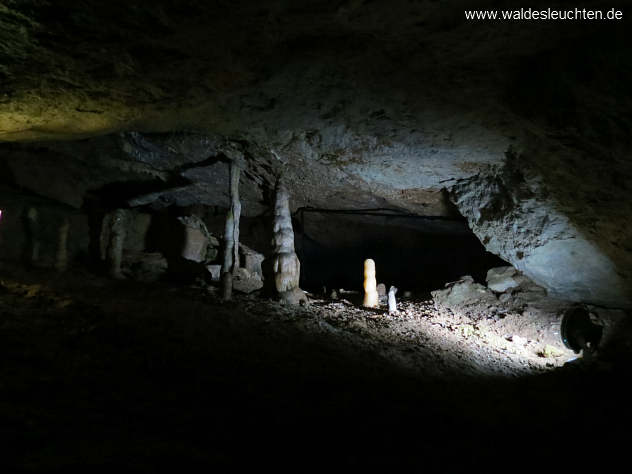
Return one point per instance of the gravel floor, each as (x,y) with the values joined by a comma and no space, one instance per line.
(101,374)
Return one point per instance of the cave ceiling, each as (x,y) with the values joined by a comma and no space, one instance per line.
(358,104)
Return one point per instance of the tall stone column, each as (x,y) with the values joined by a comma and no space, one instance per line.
(286,265)
(231,234)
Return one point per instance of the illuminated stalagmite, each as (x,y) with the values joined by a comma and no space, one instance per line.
(370,285)
(286,266)
(392,302)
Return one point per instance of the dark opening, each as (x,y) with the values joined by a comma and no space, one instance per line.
(414,253)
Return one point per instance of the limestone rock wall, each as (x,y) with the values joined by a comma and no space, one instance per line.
(516,215)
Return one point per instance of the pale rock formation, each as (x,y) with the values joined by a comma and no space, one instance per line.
(252,260)
(392,303)
(231,235)
(463,293)
(249,277)
(371,299)
(245,281)
(196,239)
(286,266)
(501,279)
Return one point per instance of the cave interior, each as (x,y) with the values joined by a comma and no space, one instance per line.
(313,234)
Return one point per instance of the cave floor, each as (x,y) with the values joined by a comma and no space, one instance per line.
(106,374)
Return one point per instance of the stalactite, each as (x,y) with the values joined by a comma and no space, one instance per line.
(61,257)
(231,235)
(370,285)
(286,266)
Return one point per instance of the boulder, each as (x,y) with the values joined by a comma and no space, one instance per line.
(195,239)
(251,260)
(515,291)
(199,244)
(463,293)
(500,279)
(195,243)
(246,282)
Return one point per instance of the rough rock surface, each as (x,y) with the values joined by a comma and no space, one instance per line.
(251,260)
(359,104)
(516,214)
(525,311)
(463,293)
(199,245)
(195,243)
(500,279)
(246,281)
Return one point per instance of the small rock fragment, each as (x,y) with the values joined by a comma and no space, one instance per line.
(500,279)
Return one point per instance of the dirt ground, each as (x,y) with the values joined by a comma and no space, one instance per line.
(99,374)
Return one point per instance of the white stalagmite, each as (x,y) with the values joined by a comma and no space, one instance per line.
(392,303)
(231,235)
(286,266)
(61,258)
(370,285)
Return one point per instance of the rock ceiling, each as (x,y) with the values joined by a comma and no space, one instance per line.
(525,128)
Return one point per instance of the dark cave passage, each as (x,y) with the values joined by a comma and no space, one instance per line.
(414,253)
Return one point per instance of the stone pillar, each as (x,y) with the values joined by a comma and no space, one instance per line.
(371,299)
(231,235)
(286,266)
